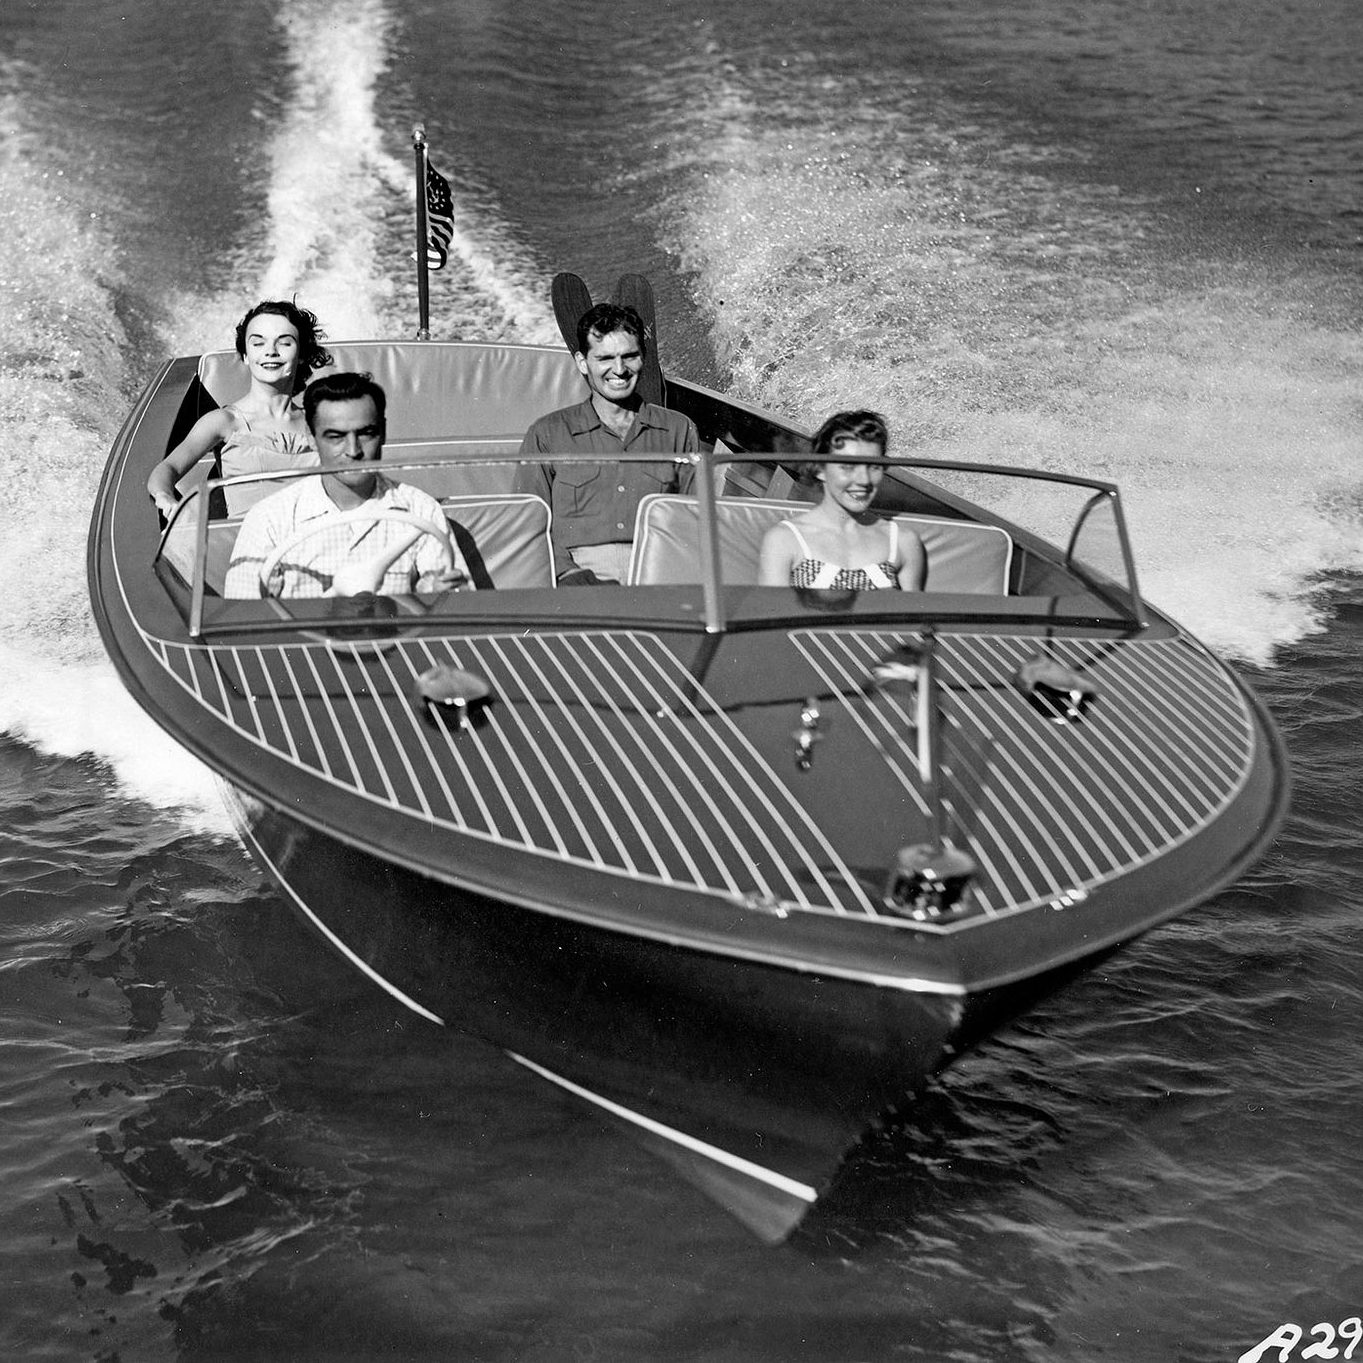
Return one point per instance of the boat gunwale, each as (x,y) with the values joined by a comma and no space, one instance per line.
(105,560)
(945,932)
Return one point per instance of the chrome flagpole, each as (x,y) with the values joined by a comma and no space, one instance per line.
(423,283)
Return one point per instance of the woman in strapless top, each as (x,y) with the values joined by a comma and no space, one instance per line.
(263,432)
(840,543)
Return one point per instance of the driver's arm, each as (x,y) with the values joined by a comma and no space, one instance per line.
(428,570)
(255,539)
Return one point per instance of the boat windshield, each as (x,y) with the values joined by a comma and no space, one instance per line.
(999,543)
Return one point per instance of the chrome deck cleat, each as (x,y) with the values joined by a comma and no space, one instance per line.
(450,689)
(1055,691)
(928,882)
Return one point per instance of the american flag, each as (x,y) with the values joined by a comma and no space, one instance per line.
(439,218)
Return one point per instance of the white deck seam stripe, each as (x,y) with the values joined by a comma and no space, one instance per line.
(353,701)
(880,644)
(497,647)
(492,731)
(644,787)
(612,780)
(423,738)
(685,806)
(353,782)
(401,748)
(739,740)
(1003,710)
(286,657)
(623,857)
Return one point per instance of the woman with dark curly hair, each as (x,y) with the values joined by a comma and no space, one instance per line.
(841,543)
(263,432)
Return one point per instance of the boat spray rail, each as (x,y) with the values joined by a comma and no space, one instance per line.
(1073,523)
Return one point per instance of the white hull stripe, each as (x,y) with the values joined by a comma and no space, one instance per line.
(750,1170)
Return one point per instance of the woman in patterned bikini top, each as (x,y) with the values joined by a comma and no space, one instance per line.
(840,543)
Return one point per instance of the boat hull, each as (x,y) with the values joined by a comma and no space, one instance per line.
(654,867)
(753,1079)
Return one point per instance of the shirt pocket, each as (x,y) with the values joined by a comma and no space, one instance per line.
(654,477)
(580,485)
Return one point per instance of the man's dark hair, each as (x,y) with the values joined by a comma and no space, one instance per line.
(605,318)
(342,387)
(858,425)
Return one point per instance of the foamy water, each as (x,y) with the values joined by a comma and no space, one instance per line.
(855,254)
(64,388)
(218,1141)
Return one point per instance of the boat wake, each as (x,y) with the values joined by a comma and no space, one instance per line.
(879,251)
(338,213)
(338,227)
(63,383)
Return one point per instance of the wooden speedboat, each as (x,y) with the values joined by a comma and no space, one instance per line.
(739,866)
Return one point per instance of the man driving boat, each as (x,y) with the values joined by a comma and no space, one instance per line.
(352,530)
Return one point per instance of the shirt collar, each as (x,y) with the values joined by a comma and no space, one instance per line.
(313,500)
(584,418)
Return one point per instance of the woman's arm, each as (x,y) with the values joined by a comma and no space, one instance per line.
(775,558)
(913,561)
(207,433)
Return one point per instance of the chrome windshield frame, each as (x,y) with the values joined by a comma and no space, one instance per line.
(912,473)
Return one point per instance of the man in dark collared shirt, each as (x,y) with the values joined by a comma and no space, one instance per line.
(594,503)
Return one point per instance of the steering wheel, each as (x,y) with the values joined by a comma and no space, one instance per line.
(375,566)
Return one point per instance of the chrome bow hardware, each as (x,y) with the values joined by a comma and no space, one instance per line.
(903,668)
(928,881)
(447,688)
(1058,692)
(928,878)
(809,733)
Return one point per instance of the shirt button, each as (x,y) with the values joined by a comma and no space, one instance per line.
(619,525)
(621,488)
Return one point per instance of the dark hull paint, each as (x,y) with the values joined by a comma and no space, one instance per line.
(778,1072)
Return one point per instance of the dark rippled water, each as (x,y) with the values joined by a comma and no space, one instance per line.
(1123,239)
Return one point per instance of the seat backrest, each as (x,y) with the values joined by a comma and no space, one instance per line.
(504,538)
(438,390)
(452,477)
(961,555)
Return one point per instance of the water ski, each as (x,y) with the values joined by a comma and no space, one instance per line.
(571,299)
(634,291)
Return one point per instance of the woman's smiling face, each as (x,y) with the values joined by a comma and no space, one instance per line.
(272,347)
(853,486)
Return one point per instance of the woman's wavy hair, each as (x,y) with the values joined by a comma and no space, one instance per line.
(857,425)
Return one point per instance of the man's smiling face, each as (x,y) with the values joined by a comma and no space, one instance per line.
(612,365)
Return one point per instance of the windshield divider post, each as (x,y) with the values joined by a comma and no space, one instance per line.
(709,544)
(1129,559)
(198,587)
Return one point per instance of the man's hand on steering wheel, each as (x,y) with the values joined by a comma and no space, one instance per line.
(441,580)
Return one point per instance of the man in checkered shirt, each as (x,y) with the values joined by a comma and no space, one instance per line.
(354,530)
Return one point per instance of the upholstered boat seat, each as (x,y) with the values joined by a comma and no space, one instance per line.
(504,539)
(451,479)
(480,406)
(962,556)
